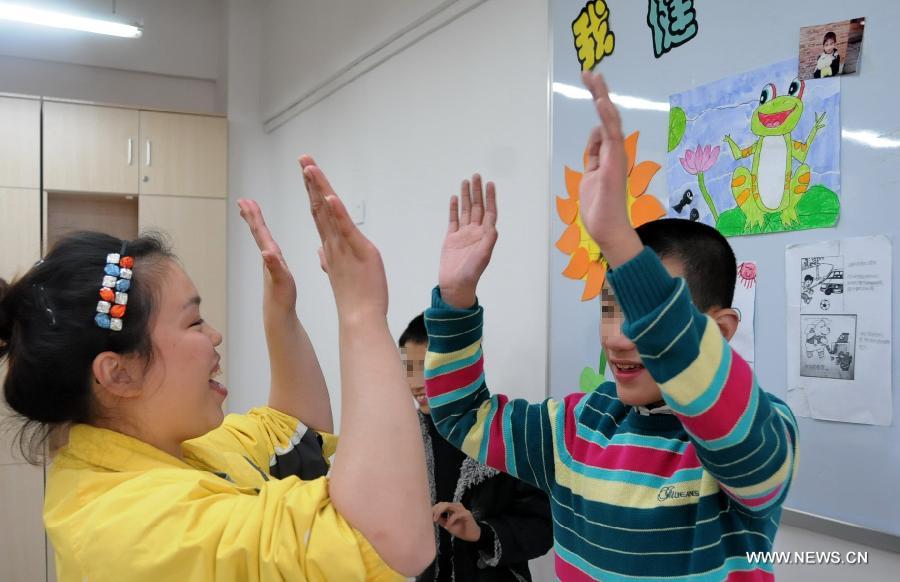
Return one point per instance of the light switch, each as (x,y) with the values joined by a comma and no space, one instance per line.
(358,212)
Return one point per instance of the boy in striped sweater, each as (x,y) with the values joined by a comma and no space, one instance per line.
(675,471)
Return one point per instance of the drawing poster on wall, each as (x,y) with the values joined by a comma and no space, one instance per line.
(756,152)
(839,330)
(744,303)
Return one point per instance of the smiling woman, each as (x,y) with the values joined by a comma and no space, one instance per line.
(176,388)
(105,339)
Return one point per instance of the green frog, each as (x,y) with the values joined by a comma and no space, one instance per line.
(758,190)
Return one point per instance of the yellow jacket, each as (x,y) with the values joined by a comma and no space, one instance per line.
(120,510)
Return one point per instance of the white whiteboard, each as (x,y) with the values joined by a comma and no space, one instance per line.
(847,472)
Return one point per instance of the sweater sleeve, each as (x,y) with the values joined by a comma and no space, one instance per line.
(512,436)
(745,438)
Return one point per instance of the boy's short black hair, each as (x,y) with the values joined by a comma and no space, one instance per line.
(415,332)
(830,36)
(710,268)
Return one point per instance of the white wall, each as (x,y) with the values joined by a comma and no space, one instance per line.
(68,81)
(176,64)
(306,42)
(248,177)
(181,37)
(401,137)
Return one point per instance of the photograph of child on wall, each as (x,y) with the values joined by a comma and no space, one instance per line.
(831,49)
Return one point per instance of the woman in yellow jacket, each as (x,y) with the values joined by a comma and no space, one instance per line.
(105,337)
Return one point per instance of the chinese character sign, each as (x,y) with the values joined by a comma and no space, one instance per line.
(673,22)
(593,38)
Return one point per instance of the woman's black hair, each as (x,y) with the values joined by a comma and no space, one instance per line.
(49,338)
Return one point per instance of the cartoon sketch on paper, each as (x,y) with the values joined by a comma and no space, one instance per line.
(747,274)
(821,284)
(829,346)
(744,303)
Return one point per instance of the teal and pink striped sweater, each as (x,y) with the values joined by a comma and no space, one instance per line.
(673,497)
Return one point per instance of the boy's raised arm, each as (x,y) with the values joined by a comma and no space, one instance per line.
(510,435)
(744,438)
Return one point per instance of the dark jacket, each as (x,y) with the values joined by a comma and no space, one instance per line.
(833,69)
(514,518)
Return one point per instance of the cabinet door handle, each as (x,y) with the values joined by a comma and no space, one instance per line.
(148,153)
(130,151)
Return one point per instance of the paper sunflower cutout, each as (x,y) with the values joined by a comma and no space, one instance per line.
(586,259)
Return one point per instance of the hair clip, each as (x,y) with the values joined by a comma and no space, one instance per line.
(114,288)
(45,304)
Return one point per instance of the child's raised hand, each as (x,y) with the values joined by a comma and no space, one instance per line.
(603,186)
(279,288)
(352,262)
(471,235)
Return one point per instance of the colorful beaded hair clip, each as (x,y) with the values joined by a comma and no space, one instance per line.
(114,291)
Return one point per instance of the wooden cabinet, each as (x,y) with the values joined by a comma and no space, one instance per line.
(112,150)
(76,166)
(20,241)
(65,213)
(90,148)
(20,231)
(20,142)
(183,155)
(22,551)
(22,547)
(196,228)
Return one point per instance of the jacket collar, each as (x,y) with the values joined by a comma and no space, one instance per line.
(471,472)
(115,451)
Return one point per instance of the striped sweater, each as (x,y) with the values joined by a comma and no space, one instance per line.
(680,496)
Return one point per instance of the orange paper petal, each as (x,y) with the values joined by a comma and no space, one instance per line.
(570,239)
(631,149)
(645,209)
(640,177)
(567,209)
(579,264)
(595,278)
(573,182)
